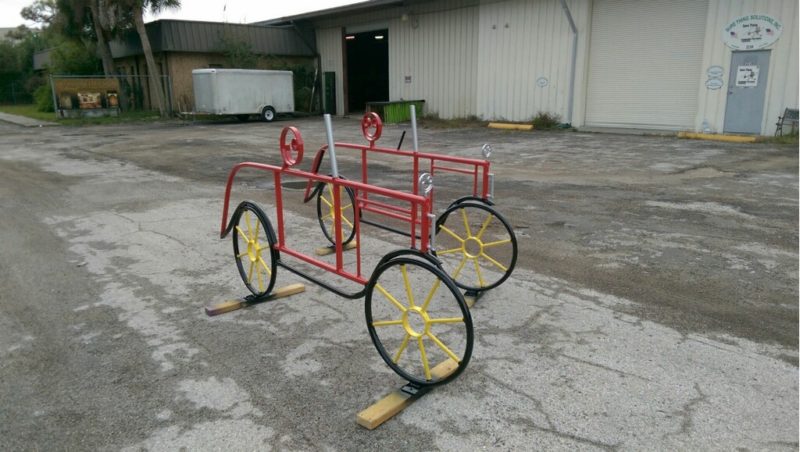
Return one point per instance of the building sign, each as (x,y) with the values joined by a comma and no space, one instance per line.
(714,81)
(715,72)
(751,32)
(747,76)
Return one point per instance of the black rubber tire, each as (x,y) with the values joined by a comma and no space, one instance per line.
(268,114)
(260,233)
(448,305)
(502,237)
(349,232)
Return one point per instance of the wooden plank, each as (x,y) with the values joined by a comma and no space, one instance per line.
(387,407)
(326,250)
(232,305)
(470,300)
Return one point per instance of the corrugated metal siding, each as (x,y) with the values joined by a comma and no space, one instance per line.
(644,63)
(392,12)
(462,66)
(329,46)
(439,52)
(782,83)
(205,37)
(520,42)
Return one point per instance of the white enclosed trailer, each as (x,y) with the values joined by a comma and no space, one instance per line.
(243,92)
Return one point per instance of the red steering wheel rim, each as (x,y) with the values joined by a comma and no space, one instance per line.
(369,121)
(295,146)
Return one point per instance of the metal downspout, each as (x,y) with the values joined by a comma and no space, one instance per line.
(574,60)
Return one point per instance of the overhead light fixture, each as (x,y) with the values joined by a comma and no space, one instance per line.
(349,37)
(378,36)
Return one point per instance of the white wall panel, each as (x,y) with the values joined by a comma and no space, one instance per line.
(438,51)
(464,60)
(782,83)
(329,46)
(644,63)
(520,42)
(436,46)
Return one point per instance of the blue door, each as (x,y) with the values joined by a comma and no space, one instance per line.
(747,87)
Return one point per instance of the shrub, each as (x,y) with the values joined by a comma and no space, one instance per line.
(544,120)
(43,96)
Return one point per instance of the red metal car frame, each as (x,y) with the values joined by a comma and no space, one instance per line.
(417,215)
(438,314)
(372,128)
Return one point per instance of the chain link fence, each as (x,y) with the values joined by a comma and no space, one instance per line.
(14,92)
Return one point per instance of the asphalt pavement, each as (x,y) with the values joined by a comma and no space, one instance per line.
(654,305)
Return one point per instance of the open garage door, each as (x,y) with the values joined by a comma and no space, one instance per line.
(367,68)
(645,63)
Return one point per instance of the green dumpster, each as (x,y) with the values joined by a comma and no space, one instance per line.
(395,111)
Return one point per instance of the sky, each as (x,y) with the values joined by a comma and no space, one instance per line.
(233,11)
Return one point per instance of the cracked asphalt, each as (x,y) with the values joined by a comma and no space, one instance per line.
(654,303)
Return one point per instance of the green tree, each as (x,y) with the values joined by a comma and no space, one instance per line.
(238,53)
(73,58)
(137,8)
(79,20)
(103,23)
(17,79)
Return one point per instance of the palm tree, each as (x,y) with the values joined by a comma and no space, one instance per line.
(102,24)
(137,9)
(80,19)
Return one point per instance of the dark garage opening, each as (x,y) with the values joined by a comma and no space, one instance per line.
(367,68)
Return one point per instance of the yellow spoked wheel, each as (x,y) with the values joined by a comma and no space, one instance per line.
(253,239)
(476,245)
(417,319)
(326,212)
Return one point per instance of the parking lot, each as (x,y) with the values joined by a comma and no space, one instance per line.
(654,303)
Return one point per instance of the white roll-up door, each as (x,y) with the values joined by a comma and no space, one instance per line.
(645,62)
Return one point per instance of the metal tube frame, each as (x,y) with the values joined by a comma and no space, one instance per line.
(420,208)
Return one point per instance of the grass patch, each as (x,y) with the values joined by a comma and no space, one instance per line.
(545,121)
(783,139)
(31,111)
(124,117)
(433,121)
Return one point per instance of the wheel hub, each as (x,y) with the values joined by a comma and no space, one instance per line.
(473,247)
(415,319)
(253,250)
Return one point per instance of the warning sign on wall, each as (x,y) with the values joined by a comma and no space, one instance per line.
(747,76)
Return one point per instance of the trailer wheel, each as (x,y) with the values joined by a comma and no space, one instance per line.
(268,114)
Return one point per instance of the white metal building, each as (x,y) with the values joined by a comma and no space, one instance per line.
(713,65)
